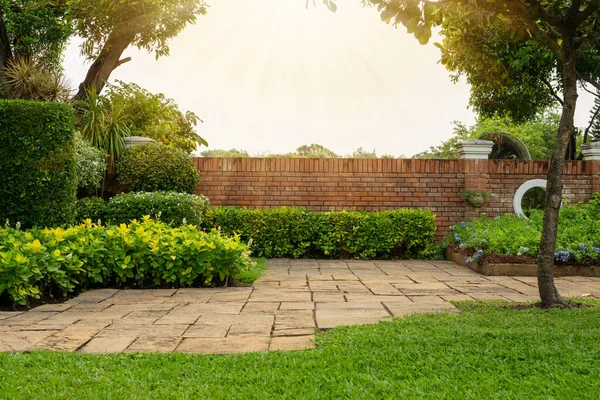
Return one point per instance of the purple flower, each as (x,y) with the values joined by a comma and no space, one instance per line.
(469,260)
(457,239)
(462,224)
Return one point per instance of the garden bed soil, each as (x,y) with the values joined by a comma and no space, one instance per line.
(526,268)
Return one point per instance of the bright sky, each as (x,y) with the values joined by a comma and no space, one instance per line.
(270,75)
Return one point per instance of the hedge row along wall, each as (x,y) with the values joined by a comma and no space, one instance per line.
(37,163)
(383,184)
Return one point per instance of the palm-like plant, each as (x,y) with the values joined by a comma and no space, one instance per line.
(104,125)
(27,79)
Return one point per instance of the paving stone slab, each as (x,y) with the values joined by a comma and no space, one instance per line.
(22,341)
(9,314)
(52,308)
(206,331)
(354,305)
(305,305)
(62,342)
(286,343)
(278,331)
(153,344)
(279,296)
(229,345)
(250,330)
(261,308)
(143,330)
(107,345)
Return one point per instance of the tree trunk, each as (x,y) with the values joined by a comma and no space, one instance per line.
(545,271)
(108,60)
(5,52)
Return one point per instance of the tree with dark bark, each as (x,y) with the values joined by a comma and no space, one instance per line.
(41,28)
(569,31)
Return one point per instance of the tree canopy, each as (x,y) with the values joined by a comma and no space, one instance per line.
(538,134)
(41,29)
(505,48)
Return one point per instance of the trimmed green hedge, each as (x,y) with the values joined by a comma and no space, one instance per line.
(56,262)
(37,163)
(297,232)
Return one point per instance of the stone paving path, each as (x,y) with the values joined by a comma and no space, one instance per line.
(281,311)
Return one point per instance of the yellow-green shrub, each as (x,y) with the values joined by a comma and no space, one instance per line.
(55,262)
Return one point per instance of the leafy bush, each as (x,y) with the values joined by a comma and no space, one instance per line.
(37,163)
(155,167)
(578,240)
(55,262)
(297,232)
(93,208)
(171,207)
(91,164)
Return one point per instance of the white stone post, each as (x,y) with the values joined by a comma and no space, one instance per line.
(591,151)
(475,149)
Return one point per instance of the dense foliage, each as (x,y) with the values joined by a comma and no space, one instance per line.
(578,239)
(155,167)
(90,166)
(538,135)
(56,262)
(155,116)
(171,207)
(93,208)
(297,232)
(37,163)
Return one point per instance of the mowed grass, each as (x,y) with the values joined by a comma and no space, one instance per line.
(485,352)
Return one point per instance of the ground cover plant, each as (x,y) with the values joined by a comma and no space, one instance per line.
(488,351)
(515,239)
(298,232)
(53,263)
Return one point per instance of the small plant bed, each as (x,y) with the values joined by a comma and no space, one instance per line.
(56,263)
(508,245)
(487,351)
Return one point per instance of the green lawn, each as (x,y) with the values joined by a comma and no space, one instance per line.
(485,352)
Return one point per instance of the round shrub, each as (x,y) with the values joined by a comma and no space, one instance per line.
(90,208)
(171,207)
(155,167)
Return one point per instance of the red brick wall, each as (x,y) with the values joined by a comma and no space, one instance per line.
(382,184)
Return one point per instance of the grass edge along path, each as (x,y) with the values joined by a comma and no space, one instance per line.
(487,351)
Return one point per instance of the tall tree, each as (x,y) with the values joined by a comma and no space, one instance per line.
(568,30)
(108,27)
(41,28)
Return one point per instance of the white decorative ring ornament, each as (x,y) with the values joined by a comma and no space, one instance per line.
(541,183)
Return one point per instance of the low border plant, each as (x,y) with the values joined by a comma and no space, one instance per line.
(47,263)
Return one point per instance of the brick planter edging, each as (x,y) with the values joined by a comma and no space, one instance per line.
(521,269)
